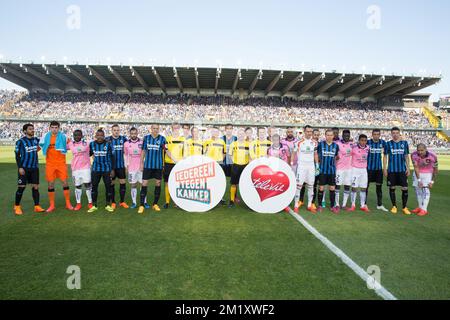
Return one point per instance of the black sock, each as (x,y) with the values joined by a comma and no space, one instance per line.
(392,196)
(157,194)
(320,197)
(332,198)
(35,193)
(122,190)
(404,198)
(379,195)
(113,193)
(302,192)
(143,194)
(19,194)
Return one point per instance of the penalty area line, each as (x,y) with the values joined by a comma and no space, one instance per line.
(379,289)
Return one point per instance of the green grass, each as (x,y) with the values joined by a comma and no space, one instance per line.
(222,254)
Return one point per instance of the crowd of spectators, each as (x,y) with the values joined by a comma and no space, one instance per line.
(12,130)
(185,108)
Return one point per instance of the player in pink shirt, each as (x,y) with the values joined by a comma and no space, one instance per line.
(425,171)
(81,167)
(359,155)
(290,141)
(344,167)
(279,150)
(132,155)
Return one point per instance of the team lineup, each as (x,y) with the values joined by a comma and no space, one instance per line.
(321,165)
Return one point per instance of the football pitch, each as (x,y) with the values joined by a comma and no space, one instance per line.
(222,254)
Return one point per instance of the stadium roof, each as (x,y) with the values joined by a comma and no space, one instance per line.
(209,81)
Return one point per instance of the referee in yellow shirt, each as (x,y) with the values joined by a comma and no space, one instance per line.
(259,147)
(194,145)
(239,153)
(216,149)
(175,146)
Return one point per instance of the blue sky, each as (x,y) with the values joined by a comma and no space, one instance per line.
(410,36)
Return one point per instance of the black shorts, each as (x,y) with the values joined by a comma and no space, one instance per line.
(397,179)
(327,179)
(152,174)
(119,173)
(227,169)
(31,176)
(236,171)
(375,176)
(167,169)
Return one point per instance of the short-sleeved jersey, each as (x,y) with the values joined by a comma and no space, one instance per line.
(103,156)
(305,150)
(228,143)
(240,152)
(360,156)
(327,157)
(132,152)
(54,157)
(259,148)
(154,148)
(397,152)
(117,147)
(215,149)
(27,152)
(345,155)
(176,148)
(426,164)
(376,150)
(290,143)
(81,158)
(193,147)
(282,152)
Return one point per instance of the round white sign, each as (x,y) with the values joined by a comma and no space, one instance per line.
(197,184)
(267,185)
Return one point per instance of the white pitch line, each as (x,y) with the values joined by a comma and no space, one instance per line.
(381,291)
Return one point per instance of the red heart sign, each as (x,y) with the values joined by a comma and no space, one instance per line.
(269,183)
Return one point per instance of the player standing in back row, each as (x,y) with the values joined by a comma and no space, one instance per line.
(344,167)
(396,168)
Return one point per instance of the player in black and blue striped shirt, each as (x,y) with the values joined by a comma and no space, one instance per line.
(396,168)
(102,168)
(117,141)
(375,165)
(326,155)
(154,145)
(27,161)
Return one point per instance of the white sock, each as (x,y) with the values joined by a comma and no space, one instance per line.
(426,195)
(353,198)
(78,192)
(133,194)
(419,196)
(336,203)
(362,197)
(297,196)
(345,199)
(310,195)
(89,194)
